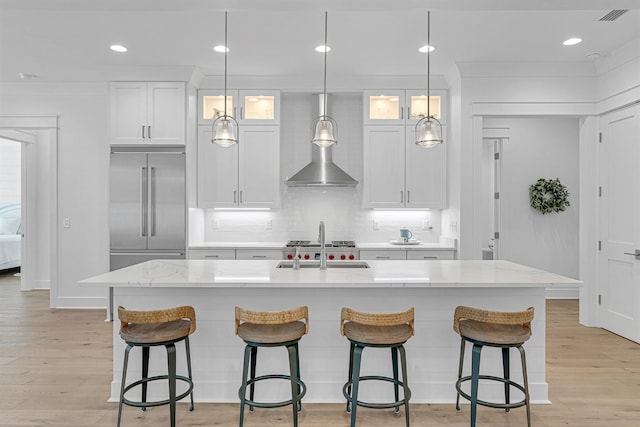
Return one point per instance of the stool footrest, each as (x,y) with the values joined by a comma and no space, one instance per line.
(347,395)
(492,404)
(301,385)
(137,404)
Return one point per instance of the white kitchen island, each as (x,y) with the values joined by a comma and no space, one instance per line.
(434,288)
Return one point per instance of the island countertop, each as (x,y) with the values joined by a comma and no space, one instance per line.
(259,273)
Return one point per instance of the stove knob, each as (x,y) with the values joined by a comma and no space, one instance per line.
(343,256)
(331,256)
(299,256)
(352,257)
(306,256)
(289,256)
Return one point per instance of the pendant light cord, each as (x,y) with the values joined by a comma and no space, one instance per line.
(428,63)
(326,48)
(226,49)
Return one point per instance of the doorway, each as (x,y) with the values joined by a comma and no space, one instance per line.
(10,206)
(492,148)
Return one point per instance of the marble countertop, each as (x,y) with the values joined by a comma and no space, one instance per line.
(239,273)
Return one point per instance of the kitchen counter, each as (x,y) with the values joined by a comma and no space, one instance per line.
(434,288)
(238,245)
(421,245)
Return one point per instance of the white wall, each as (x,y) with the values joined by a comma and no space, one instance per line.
(539,148)
(82,179)
(10,166)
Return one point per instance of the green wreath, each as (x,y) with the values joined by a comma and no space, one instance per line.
(548,195)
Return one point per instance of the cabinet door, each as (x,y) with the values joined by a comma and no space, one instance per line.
(258,254)
(217,172)
(127,113)
(384,107)
(383,175)
(416,103)
(259,107)
(380,254)
(212,254)
(211,105)
(166,110)
(422,254)
(259,168)
(426,174)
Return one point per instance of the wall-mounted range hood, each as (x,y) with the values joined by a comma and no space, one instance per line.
(321,172)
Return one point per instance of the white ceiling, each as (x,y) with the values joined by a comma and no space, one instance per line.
(68,40)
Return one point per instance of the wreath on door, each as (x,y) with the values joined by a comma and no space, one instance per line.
(548,195)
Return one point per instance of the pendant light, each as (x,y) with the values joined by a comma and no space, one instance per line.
(324,128)
(428,128)
(225,128)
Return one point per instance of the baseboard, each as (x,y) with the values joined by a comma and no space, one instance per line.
(79,302)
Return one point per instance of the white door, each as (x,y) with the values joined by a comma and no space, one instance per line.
(259,167)
(620,223)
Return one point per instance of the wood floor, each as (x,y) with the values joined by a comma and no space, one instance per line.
(55,370)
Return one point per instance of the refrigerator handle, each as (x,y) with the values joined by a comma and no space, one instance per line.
(152,200)
(143,200)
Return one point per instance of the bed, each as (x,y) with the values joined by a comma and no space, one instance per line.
(10,236)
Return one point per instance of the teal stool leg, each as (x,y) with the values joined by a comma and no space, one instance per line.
(475,374)
(171,363)
(506,372)
(186,345)
(145,373)
(357,358)
(124,379)
(526,383)
(254,360)
(243,386)
(394,363)
(462,345)
(293,371)
(298,375)
(351,349)
(405,383)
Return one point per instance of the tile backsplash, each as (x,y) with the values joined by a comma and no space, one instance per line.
(301,211)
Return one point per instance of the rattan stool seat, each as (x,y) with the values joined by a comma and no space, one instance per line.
(155,332)
(494,333)
(377,335)
(271,334)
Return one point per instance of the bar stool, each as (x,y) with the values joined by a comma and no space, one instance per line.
(389,330)
(493,329)
(272,329)
(152,328)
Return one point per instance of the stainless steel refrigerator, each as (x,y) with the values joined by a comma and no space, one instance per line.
(147,217)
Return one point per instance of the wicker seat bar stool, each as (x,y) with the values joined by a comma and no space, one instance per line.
(271,329)
(500,329)
(152,328)
(388,330)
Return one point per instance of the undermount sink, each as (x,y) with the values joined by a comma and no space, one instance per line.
(316,264)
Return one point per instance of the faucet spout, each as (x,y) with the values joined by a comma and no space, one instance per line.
(323,248)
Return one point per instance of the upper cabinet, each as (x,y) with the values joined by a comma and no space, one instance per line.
(401,107)
(259,107)
(147,113)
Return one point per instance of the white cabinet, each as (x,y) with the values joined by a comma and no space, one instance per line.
(427,254)
(246,175)
(400,174)
(212,254)
(407,254)
(147,113)
(402,107)
(252,107)
(235,253)
(382,254)
(259,254)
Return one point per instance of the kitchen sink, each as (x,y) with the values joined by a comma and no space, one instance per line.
(330,264)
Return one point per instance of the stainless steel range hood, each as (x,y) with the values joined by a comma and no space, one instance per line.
(321,172)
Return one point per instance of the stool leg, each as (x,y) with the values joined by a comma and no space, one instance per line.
(243,387)
(124,379)
(475,373)
(186,345)
(351,349)
(506,371)
(298,376)
(171,363)
(293,371)
(526,383)
(394,363)
(254,357)
(355,377)
(462,345)
(145,373)
(405,383)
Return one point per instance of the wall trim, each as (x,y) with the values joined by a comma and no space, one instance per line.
(507,109)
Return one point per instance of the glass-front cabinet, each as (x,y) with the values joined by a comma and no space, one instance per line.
(260,107)
(402,106)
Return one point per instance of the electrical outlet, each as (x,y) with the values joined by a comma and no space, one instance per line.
(216,223)
(376,224)
(453,227)
(66,223)
(268,224)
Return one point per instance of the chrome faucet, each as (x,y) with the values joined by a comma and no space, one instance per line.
(323,249)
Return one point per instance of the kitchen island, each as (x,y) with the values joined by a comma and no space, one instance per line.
(434,288)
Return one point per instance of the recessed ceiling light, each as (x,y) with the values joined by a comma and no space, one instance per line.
(221,48)
(118,48)
(571,41)
(323,48)
(426,48)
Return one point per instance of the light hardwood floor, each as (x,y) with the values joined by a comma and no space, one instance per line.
(55,370)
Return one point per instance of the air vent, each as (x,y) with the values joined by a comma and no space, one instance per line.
(613,15)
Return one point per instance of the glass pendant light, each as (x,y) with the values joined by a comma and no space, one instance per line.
(225,128)
(325,129)
(428,128)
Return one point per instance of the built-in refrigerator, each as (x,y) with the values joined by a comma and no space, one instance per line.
(147,218)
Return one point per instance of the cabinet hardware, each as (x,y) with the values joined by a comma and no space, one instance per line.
(240,196)
(143,171)
(408,196)
(149,132)
(143,137)
(401,113)
(152,200)
(383,257)
(401,196)
(234,196)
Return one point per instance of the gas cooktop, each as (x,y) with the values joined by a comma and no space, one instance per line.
(332,244)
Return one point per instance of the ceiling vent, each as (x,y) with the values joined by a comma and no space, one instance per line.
(613,15)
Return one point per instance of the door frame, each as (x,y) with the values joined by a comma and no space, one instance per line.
(498,136)
(33,130)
